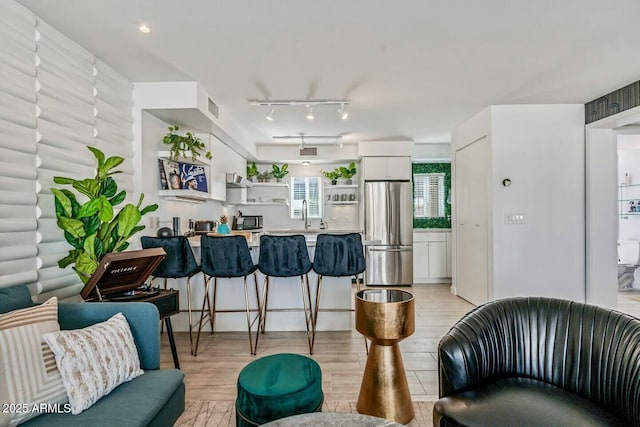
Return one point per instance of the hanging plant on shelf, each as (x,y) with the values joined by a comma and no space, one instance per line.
(93,229)
(348,172)
(181,144)
(279,172)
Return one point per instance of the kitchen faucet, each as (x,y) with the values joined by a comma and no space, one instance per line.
(305,214)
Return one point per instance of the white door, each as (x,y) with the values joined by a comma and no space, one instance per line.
(472,174)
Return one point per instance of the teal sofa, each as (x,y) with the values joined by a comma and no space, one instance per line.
(155,398)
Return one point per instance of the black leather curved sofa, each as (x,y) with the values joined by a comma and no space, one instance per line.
(540,362)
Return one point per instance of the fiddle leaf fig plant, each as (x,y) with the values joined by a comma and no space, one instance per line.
(92,227)
(180,144)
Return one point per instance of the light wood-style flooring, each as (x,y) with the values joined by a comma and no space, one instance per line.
(211,377)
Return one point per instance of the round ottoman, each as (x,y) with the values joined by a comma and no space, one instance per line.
(278,386)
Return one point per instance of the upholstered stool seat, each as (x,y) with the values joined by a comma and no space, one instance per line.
(278,386)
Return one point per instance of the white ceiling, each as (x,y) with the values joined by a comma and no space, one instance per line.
(413,69)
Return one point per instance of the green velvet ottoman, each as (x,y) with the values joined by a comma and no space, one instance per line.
(278,386)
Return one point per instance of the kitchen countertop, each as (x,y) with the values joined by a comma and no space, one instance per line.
(431,230)
(311,233)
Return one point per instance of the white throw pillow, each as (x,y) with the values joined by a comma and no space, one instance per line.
(28,373)
(95,360)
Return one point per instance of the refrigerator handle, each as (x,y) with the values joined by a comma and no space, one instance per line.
(391,250)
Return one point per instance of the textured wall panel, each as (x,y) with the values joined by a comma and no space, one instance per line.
(18,210)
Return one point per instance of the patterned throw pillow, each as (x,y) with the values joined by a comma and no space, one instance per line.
(28,373)
(95,360)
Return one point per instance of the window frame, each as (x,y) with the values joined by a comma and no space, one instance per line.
(293,202)
(434,167)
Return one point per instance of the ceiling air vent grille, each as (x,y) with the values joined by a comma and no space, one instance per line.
(309,151)
(213,108)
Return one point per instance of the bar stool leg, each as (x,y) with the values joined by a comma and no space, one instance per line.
(316,308)
(265,303)
(308,314)
(366,343)
(255,282)
(205,302)
(249,322)
(212,313)
(190,316)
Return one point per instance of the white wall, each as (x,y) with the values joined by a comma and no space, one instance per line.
(541,149)
(430,152)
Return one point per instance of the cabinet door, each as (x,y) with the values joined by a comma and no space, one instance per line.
(375,168)
(437,259)
(398,168)
(420,261)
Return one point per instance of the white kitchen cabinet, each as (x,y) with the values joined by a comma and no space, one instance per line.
(387,167)
(431,257)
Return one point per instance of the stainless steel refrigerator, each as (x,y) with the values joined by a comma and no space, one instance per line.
(388,226)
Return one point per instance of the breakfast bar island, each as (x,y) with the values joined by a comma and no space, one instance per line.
(337,293)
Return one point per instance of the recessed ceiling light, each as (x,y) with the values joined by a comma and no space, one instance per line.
(306,163)
(310,115)
(144,28)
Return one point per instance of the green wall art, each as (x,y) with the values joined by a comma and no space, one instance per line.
(439,222)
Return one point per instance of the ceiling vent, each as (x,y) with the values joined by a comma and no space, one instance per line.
(309,151)
(213,108)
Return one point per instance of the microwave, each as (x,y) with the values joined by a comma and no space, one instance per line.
(249,222)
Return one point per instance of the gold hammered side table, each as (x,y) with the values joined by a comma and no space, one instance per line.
(386,316)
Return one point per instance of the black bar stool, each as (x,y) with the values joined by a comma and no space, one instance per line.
(179,263)
(286,256)
(228,257)
(336,255)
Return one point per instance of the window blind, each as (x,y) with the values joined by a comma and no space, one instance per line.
(307,188)
(428,195)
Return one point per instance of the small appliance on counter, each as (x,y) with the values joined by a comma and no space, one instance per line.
(247,222)
(205,226)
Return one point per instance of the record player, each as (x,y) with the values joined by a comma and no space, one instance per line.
(121,276)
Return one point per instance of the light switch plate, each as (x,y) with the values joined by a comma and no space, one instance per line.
(514,218)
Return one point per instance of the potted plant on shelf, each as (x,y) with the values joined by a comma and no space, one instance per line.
(252,170)
(348,172)
(265,176)
(93,229)
(332,175)
(180,144)
(279,172)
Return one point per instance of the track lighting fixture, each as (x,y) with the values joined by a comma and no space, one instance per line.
(309,105)
(269,115)
(344,114)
